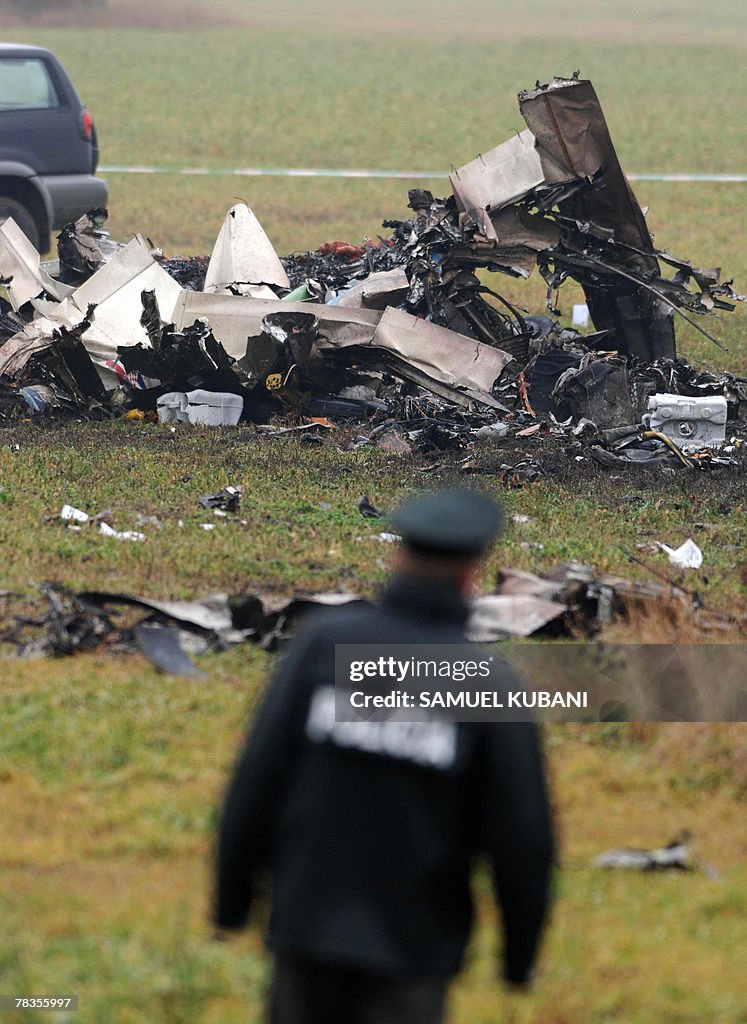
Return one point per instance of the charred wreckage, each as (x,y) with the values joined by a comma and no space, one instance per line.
(401,335)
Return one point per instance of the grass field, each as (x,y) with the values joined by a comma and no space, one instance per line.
(109,773)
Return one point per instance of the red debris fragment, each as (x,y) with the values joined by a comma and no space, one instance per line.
(353,252)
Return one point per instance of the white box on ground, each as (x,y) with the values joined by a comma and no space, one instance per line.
(172,407)
(689,422)
(580,315)
(214,408)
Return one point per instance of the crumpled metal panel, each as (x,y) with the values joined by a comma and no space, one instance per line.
(516,227)
(572,137)
(448,363)
(234,318)
(377,291)
(573,140)
(442,354)
(84,245)
(495,616)
(16,351)
(19,261)
(497,178)
(115,290)
(243,254)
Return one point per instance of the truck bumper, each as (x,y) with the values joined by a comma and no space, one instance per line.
(72,195)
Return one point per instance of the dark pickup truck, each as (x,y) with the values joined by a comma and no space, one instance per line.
(48,148)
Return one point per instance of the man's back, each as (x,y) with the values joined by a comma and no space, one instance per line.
(370,831)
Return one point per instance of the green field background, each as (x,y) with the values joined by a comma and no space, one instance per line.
(109,773)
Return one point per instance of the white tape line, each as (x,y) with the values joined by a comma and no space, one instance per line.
(274,172)
(688,177)
(331,172)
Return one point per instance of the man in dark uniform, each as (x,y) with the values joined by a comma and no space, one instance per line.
(370,848)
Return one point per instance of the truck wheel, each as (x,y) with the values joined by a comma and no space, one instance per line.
(23,218)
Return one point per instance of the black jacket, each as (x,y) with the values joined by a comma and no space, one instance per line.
(370,855)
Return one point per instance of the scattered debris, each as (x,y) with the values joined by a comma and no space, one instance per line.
(161,646)
(69,625)
(675,856)
(229,499)
(498,617)
(84,246)
(367,510)
(591,600)
(108,531)
(569,600)
(524,471)
(493,431)
(144,520)
(75,515)
(67,622)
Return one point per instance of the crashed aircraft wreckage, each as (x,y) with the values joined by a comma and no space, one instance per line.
(399,326)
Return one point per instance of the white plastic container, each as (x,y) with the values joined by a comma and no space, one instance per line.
(689,422)
(214,408)
(172,408)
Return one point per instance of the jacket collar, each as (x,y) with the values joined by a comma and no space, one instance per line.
(422,598)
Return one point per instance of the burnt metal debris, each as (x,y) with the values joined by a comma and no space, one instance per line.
(400,334)
(570,600)
(60,622)
(677,855)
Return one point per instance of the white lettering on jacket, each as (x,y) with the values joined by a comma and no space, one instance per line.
(432,744)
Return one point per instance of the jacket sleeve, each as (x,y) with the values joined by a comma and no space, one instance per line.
(518,834)
(247,821)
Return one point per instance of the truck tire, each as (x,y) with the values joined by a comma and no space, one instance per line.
(22,216)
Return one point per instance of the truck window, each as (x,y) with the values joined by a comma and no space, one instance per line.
(25,84)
